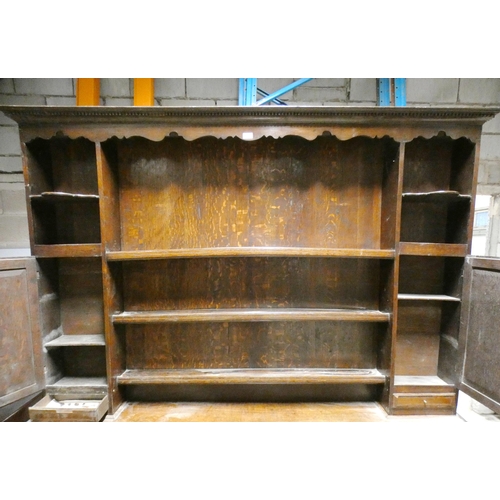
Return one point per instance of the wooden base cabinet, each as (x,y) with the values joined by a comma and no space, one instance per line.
(252,254)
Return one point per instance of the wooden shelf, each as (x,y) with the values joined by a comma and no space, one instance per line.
(433,249)
(250,252)
(244,315)
(427,297)
(68,250)
(436,196)
(59,196)
(83,387)
(77,341)
(418,380)
(253,376)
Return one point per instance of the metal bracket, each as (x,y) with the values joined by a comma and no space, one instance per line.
(391,91)
(248,92)
(400,91)
(277,101)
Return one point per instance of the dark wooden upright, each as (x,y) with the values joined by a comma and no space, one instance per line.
(253,254)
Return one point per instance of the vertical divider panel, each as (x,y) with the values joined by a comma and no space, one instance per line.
(113,301)
(475,173)
(388,401)
(391,196)
(27,159)
(388,229)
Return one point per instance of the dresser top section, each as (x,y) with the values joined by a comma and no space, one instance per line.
(248,122)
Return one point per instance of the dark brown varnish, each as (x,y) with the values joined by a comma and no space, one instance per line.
(334,240)
(308,344)
(289,192)
(21,367)
(479,339)
(63,191)
(71,301)
(251,283)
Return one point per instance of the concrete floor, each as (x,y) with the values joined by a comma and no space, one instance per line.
(472,411)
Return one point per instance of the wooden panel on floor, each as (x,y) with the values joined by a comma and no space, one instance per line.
(251,412)
(265,412)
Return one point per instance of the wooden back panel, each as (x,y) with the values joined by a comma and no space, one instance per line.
(431,275)
(288,192)
(72,293)
(251,282)
(322,344)
(439,164)
(62,164)
(81,296)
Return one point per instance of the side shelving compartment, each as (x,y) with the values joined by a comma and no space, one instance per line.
(62,195)
(436,221)
(437,196)
(427,334)
(245,270)
(71,302)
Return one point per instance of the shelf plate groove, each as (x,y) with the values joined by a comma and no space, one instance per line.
(180,253)
(427,297)
(243,315)
(77,341)
(252,376)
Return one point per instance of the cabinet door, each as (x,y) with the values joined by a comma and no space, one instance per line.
(479,340)
(21,364)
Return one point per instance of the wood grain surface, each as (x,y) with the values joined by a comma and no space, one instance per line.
(307,344)
(333,239)
(267,412)
(211,193)
(253,376)
(482,361)
(252,412)
(21,364)
(251,283)
(62,191)
(438,164)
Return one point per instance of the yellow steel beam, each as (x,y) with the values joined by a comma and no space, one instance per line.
(144,91)
(88,91)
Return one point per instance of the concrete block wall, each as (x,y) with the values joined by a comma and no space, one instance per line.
(224,92)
